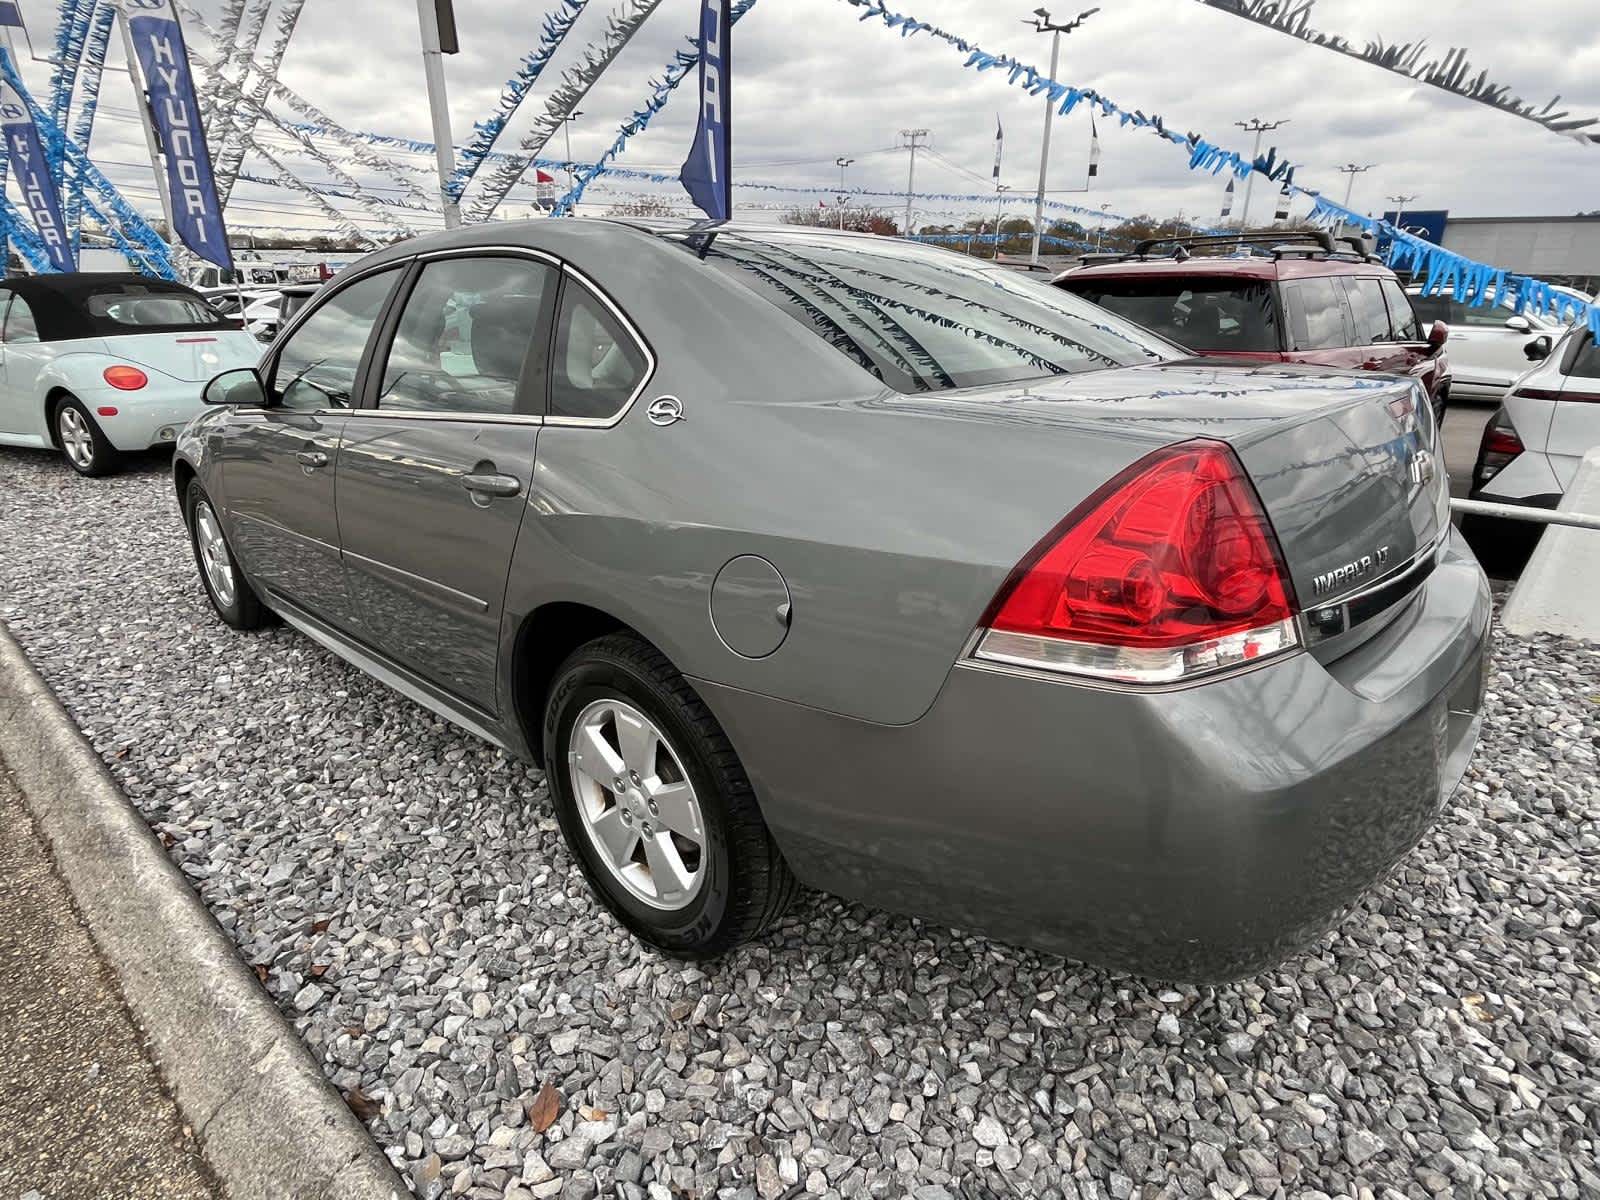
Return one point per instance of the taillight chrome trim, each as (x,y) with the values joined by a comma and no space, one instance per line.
(1137,667)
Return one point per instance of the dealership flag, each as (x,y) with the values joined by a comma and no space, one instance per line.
(26,152)
(708,171)
(999,145)
(157,41)
(1094,148)
(1283,205)
(1227,200)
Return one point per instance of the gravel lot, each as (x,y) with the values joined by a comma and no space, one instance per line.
(406,897)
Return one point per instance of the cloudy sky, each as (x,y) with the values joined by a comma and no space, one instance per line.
(812,83)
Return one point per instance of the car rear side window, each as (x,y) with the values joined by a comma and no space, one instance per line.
(464,336)
(1586,362)
(1368,310)
(139,306)
(1317,316)
(1403,318)
(598,363)
(317,366)
(1212,315)
(20,325)
(921,319)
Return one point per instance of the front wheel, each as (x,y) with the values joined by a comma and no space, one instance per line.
(655,805)
(87,450)
(226,587)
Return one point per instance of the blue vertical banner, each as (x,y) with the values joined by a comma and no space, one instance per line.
(25,150)
(157,41)
(708,172)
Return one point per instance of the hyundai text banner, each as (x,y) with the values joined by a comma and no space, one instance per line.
(25,150)
(164,64)
(708,171)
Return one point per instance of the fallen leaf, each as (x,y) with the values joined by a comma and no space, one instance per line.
(355,1031)
(318,970)
(363,1105)
(321,926)
(544,1109)
(261,971)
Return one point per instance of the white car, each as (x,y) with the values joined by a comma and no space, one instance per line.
(1487,344)
(94,365)
(1547,421)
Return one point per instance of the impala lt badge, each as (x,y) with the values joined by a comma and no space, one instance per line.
(665,410)
(1351,571)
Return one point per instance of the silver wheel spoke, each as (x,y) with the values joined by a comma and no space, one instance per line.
(616,839)
(638,739)
(667,872)
(595,758)
(677,810)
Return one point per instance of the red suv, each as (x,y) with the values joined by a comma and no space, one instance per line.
(1290,297)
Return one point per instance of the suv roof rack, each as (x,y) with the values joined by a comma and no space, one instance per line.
(1312,243)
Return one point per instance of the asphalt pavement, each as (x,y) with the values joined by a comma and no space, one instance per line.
(82,1109)
(1463,429)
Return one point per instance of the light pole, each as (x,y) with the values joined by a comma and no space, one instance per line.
(1100,233)
(1352,170)
(428,13)
(1256,126)
(913,140)
(1400,203)
(843,163)
(1000,191)
(566,128)
(1042,24)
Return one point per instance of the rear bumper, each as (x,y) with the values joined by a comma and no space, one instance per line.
(145,420)
(1199,833)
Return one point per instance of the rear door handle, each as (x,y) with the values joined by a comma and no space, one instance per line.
(312,459)
(492,485)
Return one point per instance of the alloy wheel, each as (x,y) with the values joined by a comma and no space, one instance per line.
(77,440)
(637,804)
(214,553)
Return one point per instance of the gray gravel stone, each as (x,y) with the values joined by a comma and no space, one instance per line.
(1442,1040)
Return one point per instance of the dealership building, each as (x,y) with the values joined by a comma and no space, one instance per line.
(1557,249)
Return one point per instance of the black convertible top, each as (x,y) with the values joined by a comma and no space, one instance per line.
(60,303)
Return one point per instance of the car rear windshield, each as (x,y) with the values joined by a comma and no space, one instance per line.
(1214,315)
(138,305)
(924,320)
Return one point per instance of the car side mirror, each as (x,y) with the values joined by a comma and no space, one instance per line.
(1539,349)
(241,386)
(1438,335)
(1519,324)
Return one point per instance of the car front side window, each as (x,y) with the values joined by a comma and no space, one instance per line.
(1403,318)
(317,366)
(598,364)
(463,339)
(20,325)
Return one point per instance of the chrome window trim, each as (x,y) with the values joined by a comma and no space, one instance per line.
(594,289)
(409,414)
(350,279)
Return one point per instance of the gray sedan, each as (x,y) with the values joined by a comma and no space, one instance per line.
(800,557)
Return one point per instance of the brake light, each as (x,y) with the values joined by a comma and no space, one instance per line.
(1169,571)
(1499,446)
(125,378)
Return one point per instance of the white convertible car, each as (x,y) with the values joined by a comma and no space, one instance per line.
(93,365)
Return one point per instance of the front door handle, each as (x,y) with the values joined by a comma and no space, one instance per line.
(491,485)
(312,459)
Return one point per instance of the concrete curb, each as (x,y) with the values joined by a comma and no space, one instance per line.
(268,1122)
(1557,591)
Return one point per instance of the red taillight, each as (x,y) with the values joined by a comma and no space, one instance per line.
(1168,571)
(1499,446)
(125,378)
(1501,441)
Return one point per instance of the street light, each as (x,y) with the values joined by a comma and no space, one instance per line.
(1400,203)
(1000,191)
(1042,24)
(842,164)
(1100,233)
(566,128)
(1256,126)
(1352,170)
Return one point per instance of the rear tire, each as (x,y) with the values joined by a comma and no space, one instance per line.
(78,434)
(226,587)
(702,874)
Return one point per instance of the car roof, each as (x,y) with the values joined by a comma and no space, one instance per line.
(58,301)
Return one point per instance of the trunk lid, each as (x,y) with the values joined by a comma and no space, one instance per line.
(191,356)
(1346,463)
